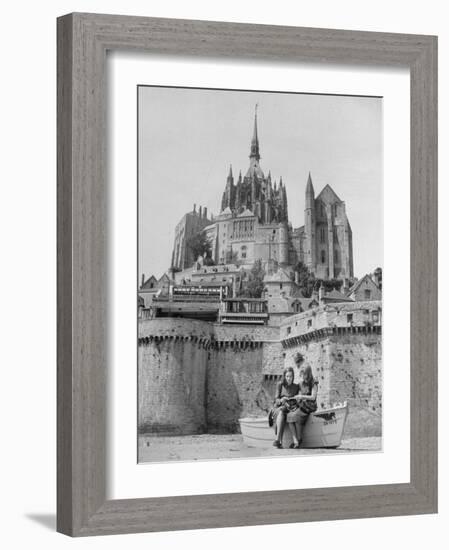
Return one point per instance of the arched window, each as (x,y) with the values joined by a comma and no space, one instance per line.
(336,256)
(322,235)
(323,257)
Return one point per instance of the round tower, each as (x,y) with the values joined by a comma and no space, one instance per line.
(309,226)
(283,243)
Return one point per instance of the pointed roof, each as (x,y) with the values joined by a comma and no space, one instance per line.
(254,153)
(149,282)
(356,285)
(226,213)
(230,176)
(254,169)
(309,186)
(280,276)
(328,195)
(336,295)
(246,213)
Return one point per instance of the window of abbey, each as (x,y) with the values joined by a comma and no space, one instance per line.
(322,235)
(243,229)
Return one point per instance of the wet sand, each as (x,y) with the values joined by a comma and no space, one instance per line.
(213,447)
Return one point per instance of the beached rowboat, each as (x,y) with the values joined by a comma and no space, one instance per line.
(324,428)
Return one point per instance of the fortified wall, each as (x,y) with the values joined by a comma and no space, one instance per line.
(196,376)
(346,357)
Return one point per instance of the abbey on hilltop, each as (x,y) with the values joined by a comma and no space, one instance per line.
(253,224)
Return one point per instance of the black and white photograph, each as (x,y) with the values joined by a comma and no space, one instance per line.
(224,225)
(260,257)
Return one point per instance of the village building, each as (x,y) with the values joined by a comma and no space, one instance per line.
(365,289)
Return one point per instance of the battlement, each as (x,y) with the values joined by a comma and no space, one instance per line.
(320,334)
(204,333)
(351,316)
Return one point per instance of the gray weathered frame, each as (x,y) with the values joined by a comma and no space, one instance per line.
(83,40)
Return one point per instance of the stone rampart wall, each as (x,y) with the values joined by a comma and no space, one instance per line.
(196,376)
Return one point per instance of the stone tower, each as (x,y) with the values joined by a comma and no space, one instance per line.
(190,224)
(309,226)
(327,235)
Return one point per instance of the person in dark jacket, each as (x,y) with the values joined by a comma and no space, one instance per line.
(284,403)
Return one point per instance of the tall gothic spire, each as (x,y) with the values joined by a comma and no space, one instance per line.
(309,187)
(255,141)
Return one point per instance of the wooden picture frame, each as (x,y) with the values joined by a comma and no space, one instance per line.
(83,40)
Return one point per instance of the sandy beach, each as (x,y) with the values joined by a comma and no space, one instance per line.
(213,447)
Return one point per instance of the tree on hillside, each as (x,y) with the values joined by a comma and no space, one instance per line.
(306,279)
(232,257)
(253,287)
(199,245)
(329,284)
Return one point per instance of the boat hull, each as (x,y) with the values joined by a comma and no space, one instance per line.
(323,428)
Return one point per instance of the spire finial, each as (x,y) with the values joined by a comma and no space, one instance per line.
(255,141)
(230,171)
(309,187)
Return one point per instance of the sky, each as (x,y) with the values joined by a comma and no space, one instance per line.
(188,138)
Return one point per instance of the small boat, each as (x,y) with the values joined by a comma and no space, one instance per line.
(323,428)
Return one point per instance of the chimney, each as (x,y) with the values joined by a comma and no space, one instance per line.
(377,277)
(205,212)
(143,279)
(200,212)
(194,208)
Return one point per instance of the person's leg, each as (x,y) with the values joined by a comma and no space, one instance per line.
(280,424)
(293,431)
(300,427)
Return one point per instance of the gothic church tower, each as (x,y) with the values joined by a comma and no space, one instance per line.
(327,235)
(255,192)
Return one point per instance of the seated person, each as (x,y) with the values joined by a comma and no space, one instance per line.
(306,401)
(285,402)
